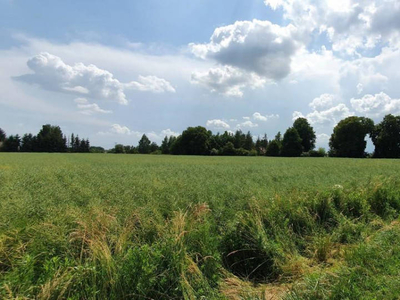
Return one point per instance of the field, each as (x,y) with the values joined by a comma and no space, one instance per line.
(103,226)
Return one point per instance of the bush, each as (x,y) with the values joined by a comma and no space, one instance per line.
(252,153)
(214,152)
(241,152)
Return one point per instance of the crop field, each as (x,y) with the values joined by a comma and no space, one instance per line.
(103,226)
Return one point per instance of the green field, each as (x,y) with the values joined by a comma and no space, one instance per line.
(102,226)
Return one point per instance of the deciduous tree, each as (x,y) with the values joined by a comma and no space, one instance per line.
(348,137)
(306,133)
(291,143)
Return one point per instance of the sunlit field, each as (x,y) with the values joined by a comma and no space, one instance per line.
(103,226)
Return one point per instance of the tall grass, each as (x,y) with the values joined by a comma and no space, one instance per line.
(140,227)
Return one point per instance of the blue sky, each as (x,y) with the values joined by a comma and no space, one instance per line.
(111,71)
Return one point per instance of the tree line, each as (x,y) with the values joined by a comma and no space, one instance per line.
(49,139)
(347,140)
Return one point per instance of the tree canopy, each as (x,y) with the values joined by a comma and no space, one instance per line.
(12,144)
(2,135)
(306,133)
(144,146)
(386,137)
(348,137)
(291,143)
(195,141)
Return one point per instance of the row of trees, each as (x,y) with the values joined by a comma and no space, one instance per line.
(49,139)
(347,140)
(200,141)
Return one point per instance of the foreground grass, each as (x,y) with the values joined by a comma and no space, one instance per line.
(162,227)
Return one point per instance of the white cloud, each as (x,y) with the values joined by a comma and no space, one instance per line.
(217,124)
(51,73)
(349,24)
(274,3)
(227,81)
(152,84)
(332,115)
(169,132)
(323,102)
(376,105)
(324,114)
(89,109)
(118,129)
(258,117)
(255,46)
(246,118)
(247,124)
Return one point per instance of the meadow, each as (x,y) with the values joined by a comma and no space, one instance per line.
(104,226)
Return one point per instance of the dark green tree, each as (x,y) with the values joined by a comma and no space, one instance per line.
(97,149)
(176,148)
(273,149)
(278,137)
(239,140)
(228,149)
(386,137)
(51,139)
(12,144)
(144,145)
(348,137)
(153,147)
(2,135)
(291,143)
(195,141)
(164,146)
(171,141)
(261,145)
(306,133)
(248,142)
(28,143)
(119,149)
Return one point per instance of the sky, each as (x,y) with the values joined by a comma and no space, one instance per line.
(112,71)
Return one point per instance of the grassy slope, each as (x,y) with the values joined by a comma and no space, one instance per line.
(121,226)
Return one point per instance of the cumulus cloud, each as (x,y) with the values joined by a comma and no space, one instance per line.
(247,124)
(324,113)
(51,73)
(259,117)
(119,129)
(152,84)
(323,102)
(255,46)
(218,124)
(227,81)
(87,108)
(376,105)
(90,109)
(169,132)
(349,24)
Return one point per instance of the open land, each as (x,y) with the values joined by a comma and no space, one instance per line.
(103,226)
